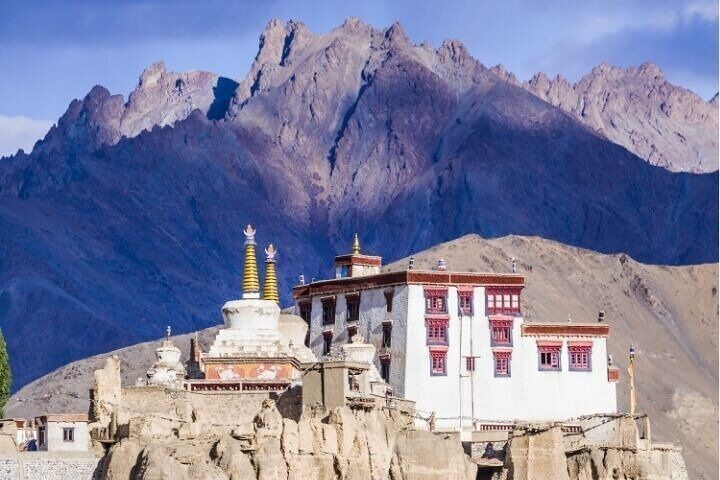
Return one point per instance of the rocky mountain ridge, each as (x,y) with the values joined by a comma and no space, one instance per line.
(113,234)
(637,108)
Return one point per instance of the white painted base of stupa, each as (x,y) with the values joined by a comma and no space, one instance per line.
(251,330)
(251,314)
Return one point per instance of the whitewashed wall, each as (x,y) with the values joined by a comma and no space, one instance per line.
(528,394)
(55,442)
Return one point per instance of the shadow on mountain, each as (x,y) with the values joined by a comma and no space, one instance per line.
(223,92)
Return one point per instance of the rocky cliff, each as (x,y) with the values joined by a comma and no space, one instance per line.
(127,217)
(637,108)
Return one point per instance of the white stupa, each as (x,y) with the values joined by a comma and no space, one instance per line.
(167,370)
(255,347)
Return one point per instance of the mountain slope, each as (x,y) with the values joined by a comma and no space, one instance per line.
(637,108)
(669,313)
(110,234)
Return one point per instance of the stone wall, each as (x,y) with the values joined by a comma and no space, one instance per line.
(48,466)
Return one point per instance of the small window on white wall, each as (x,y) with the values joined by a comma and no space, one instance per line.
(68,434)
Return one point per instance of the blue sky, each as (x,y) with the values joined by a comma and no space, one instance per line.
(54,51)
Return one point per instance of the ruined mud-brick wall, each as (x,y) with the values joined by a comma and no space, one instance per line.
(166,410)
(48,466)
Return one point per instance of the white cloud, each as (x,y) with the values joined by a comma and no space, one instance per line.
(706,10)
(21,132)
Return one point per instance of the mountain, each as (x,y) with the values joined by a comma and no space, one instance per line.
(128,216)
(637,108)
(670,314)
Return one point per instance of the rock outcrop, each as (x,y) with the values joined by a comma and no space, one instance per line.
(342,444)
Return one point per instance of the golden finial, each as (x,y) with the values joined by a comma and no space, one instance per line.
(250,283)
(356,245)
(270,289)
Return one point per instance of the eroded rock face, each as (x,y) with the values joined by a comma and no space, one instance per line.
(420,455)
(637,108)
(342,444)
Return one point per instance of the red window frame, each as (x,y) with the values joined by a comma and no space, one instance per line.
(501,332)
(470,364)
(438,363)
(435,300)
(549,357)
(580,357)
(437,331)
(465,301)
(501,363)
(502,301)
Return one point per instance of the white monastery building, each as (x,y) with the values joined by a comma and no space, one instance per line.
(457,343)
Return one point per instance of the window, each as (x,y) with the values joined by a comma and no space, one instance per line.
(465,302)
(501,332)
(68,434)
(388,300)
(41,436)
(580,357)
(436,331)
(387,335)
(437,362)
(352,331)
(353,308)
(549,357)
(503,300)
(328,311)
(306,314)
(327,342)
(470,364)
(502,363)
(435,301)
(385,368)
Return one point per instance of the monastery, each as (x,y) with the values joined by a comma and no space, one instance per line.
(457,343)
(375,371)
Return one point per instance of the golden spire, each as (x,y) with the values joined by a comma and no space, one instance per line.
(356,245)
(250,283)
(270,289)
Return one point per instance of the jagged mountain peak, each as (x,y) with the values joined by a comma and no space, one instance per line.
(638,108)
(330,134)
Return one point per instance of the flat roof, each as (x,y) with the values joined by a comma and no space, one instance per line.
(400,277)
(63,417)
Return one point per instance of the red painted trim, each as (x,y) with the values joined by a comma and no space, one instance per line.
(566,329)
(358,259)
(338,285)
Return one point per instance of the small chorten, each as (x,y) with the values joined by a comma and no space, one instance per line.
(270,290)
(250,284)
(167,370)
